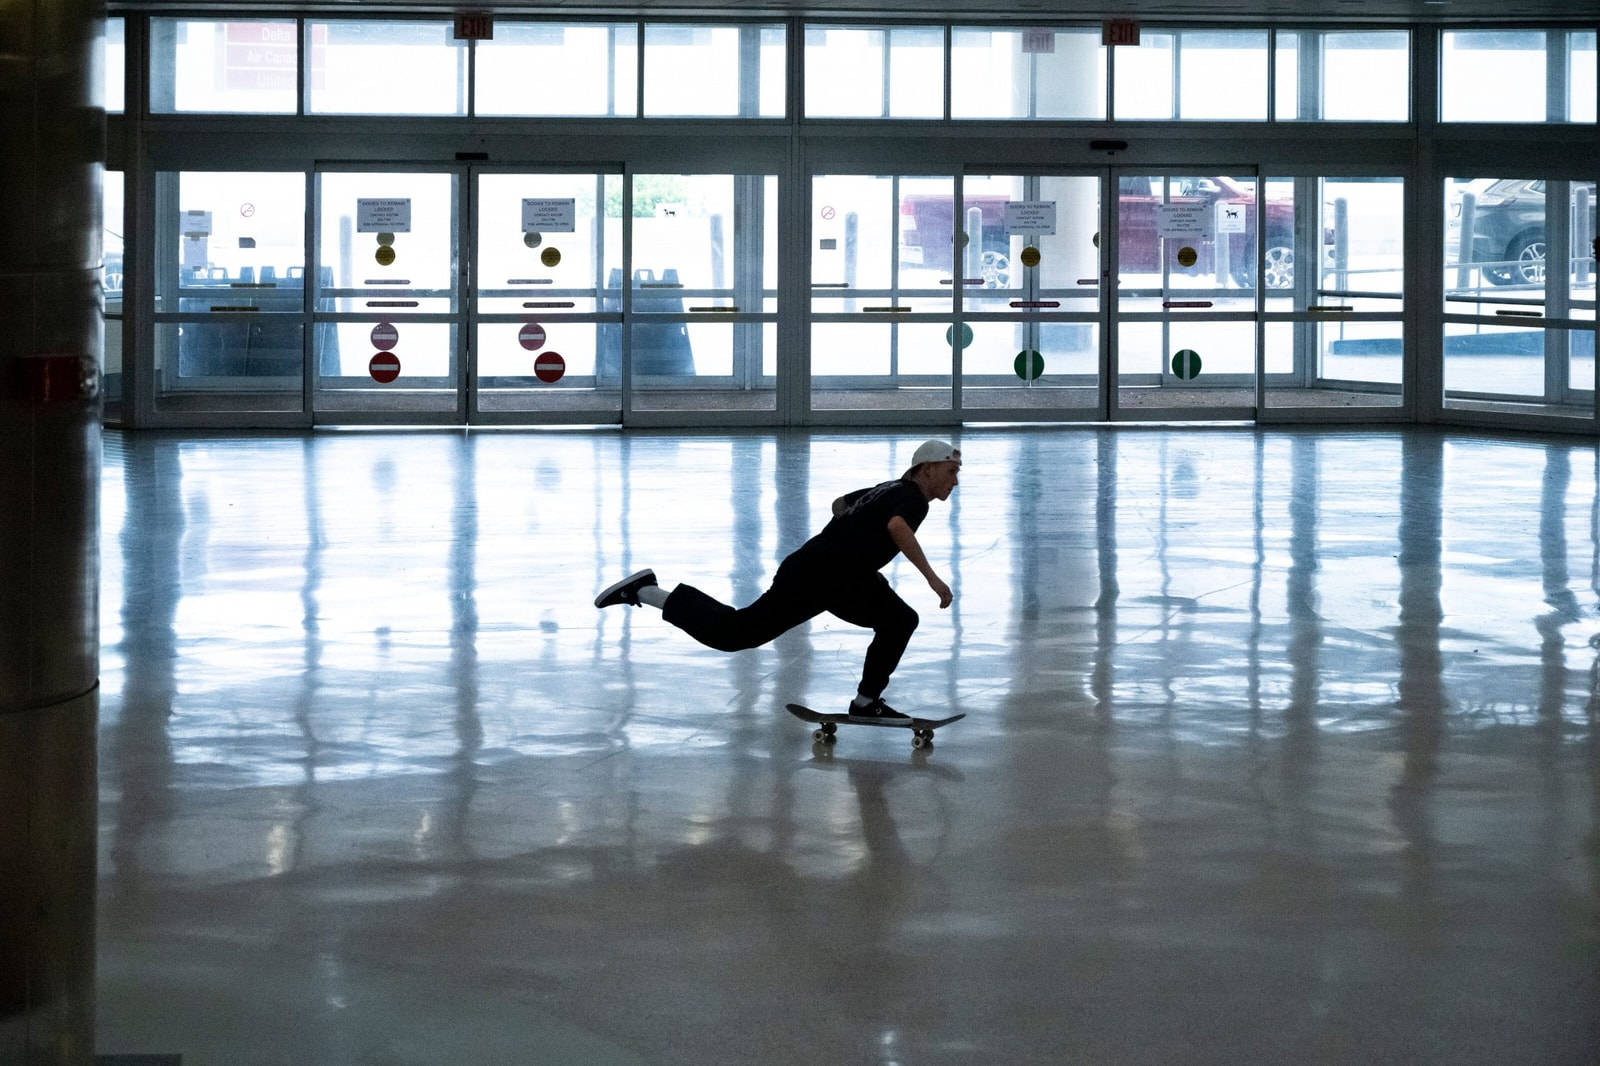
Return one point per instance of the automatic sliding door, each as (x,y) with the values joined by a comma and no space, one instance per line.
(1031,309)
(701,320)
(229,295)
(1335,294)
(1519,323)
(386,344)
(1186,297)
(883,278)
(547,321)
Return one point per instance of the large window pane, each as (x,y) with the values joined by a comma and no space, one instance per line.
(386,68)
(590,69)
(1201,75)
(864,72)
(198,65)
(1027,73)
(1493,76)
(1343,76)
(1581,86)
(710,71)
(114,63)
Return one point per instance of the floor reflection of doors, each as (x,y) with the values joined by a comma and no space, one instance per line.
(387,344)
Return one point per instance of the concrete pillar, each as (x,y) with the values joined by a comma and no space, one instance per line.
(53,130)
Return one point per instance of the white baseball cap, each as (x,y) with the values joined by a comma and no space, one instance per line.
(934,451)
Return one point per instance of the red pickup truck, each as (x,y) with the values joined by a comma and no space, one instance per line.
(927,223)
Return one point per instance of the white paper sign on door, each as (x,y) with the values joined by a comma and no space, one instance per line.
(383,216)
(1184,221)
(549,216)
(1031,217)
(1231,217)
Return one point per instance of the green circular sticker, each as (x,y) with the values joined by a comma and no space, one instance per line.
(1186,364)
(966,335)
(1030,365)
(550,256)
(532,240)
(385,240)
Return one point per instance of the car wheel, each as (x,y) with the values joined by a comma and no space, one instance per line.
(1526,256)
(1279,264)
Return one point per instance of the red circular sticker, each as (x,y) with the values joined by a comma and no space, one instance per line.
(384,367)
(531,336)
(385,336)
(549,367)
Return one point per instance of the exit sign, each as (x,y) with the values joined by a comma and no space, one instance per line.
(475,26)
(1119,31)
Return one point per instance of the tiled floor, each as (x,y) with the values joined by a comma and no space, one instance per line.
(1280,748)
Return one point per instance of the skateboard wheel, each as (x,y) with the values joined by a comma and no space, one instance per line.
(830,728)
(921,740)
(819,736)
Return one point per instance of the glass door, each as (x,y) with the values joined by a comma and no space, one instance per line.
(546,316)
(1030,323)
(1519,322)
(1187,268)
(386,335)
(228,296)
(1335,261)
(884,275)
(700,311)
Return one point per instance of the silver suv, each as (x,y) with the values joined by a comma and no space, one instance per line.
(1508,235)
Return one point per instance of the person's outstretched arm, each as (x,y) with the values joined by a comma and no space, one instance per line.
(906,540)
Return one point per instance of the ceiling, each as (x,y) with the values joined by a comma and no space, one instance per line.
(1300,12)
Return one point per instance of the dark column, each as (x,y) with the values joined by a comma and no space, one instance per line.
(53,130)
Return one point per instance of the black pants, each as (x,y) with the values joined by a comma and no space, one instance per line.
(798,594)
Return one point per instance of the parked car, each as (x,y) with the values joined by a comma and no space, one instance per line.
(1509,230)
(111,274)
(927,223)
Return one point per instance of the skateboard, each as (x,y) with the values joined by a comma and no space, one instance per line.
(828,724)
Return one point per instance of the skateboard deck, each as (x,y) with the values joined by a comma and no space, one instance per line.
(828,724)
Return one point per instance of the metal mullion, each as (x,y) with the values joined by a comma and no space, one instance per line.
(467,278)
(958,274)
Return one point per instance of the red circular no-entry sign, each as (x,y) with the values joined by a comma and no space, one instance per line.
(385,336)
(549,367)
(384,367)
(531,336)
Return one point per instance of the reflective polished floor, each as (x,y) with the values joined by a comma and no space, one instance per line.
(1280,747)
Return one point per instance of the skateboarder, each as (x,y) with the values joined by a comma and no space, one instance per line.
(835,571)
